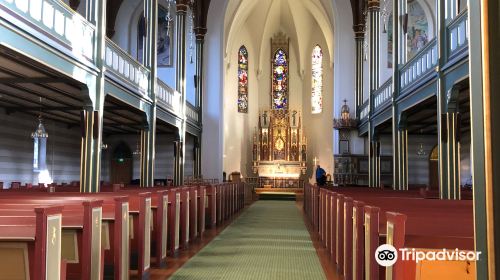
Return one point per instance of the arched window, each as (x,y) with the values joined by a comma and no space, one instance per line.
(243,80)
(280,80)
(317,80)
(418,28)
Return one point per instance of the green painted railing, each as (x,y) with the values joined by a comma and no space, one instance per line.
(383,94)
(364,111)
(168,97)
(129,70)
(423,62)
(192,113)
(52,20)
(457,34)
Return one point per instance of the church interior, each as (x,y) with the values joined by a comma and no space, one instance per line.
(249,139)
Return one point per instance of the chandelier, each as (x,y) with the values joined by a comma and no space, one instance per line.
(137,151)
(420,151)
(385,15)
(40,131)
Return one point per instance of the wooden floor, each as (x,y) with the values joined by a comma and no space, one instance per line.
(174,263)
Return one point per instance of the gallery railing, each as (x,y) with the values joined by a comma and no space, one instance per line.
(364,111)
(52,20)
(168,97)
(383,94)
(457,34)
(129,70)
(422,63)
(192,113)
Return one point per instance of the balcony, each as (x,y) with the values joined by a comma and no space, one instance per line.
(54,23)
(457,35)
(168,98)
(364,111)
(421,64)
(192,113)
(124,69)
(383,95)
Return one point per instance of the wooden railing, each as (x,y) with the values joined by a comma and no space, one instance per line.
(424,61)
(120,63)
(457,34)
(168,97)
(192,113)
(364,111)
(383,94)
(52,19)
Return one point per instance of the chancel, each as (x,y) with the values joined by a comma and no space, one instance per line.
(249,139)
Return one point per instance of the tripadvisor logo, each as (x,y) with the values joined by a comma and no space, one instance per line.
(386,255)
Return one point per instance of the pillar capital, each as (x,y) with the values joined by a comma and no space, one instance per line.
(359,31)
(200,32)
(373,5)
(182,6)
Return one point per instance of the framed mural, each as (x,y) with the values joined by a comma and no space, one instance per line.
(418,28)
(165,42)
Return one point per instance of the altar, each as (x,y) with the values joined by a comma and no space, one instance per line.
(279,144)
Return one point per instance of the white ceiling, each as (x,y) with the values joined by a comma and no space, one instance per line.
(263,18)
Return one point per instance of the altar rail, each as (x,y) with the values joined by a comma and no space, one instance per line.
(424,61)
(282,183)
(52,19)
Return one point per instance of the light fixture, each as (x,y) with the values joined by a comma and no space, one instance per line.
(385,15)
(365,41)
(191,32)
(40,131)
(104,146)
(420,151)
(137,151)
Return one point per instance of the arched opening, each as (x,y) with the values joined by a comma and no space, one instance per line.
(121,164)
(433,169)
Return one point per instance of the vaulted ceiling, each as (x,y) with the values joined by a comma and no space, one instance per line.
(295,18)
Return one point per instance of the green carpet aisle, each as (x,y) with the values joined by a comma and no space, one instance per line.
(268,241)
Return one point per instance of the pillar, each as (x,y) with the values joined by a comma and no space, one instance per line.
(374,162)
(401,166)
(180,84)
(484,19)
(148,133)
(359,37)
(398,57)
(177,162)
(92,114)
(374,66)
(200,42)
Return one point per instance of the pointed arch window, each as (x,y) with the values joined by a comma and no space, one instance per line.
(243,80)
(317,80)
(280,80)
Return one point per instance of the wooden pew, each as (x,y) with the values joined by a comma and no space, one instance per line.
(114,216)
(81,234)
(31,247)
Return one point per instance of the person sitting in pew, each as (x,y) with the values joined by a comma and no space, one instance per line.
(320,176)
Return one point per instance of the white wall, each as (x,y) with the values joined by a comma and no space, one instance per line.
(16,150)
(126,37)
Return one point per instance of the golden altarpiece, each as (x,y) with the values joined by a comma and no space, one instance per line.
(279,143)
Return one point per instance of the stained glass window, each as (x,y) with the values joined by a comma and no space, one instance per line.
(280,80)
(243,80)
(317,80)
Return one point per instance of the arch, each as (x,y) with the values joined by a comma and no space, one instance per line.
(317,80)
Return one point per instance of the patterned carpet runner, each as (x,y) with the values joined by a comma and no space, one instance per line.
(268,241)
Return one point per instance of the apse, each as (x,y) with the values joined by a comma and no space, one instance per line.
(250,71)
